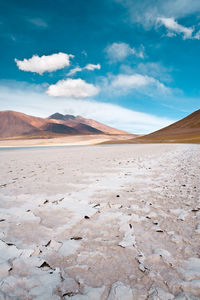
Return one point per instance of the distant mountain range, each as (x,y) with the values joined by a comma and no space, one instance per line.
(16,124)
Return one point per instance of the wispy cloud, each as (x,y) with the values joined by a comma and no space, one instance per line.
(120,51)
(72,88)
(14,96)
(124,84)
(152,69)
(174,28)
(146,12)
(45,63)
(73,71)
(89,67)
(38,22)
(92,67)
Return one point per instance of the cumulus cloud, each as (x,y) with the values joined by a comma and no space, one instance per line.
(119,51)
(13,96)
(89,67)
(175,28)
(72,88)
(125,83)
(45,63)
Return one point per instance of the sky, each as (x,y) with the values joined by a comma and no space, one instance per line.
(130,64)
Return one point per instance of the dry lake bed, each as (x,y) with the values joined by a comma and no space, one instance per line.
(115,222)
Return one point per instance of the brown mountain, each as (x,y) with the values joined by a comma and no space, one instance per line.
(16,124)
(187,130)
(71,120)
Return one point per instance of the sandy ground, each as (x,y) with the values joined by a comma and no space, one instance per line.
(100,222)
(66,140)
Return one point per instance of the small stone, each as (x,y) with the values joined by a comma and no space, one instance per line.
(155,222)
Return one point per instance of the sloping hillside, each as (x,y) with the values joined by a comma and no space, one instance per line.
(187,130)
(183,131)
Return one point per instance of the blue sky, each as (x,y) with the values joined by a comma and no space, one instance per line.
(134,65)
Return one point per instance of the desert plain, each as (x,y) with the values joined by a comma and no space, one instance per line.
(100,222)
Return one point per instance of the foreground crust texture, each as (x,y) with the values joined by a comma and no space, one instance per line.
(100,222)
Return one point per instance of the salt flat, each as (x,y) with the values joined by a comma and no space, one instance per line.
(100,222)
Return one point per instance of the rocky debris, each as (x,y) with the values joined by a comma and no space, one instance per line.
(57,201)
(195,209)
(76,238)
(45,266)
(141,259)
(157,229)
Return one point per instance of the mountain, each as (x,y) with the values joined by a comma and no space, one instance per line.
(16,124)
(71,120)
(187,130)
(58,116)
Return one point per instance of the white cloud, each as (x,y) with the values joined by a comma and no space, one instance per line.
(146,12)
(89,67)
(197,35)
(45,63)
(152,69)
(131,81)
(125,83)
(72,72)
(119,51)
(14,97)
(72,88)
(175,28)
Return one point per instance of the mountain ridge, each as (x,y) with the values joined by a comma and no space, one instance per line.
(15,124)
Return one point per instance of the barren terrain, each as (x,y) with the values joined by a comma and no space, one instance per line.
(102,222)
(91,139)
